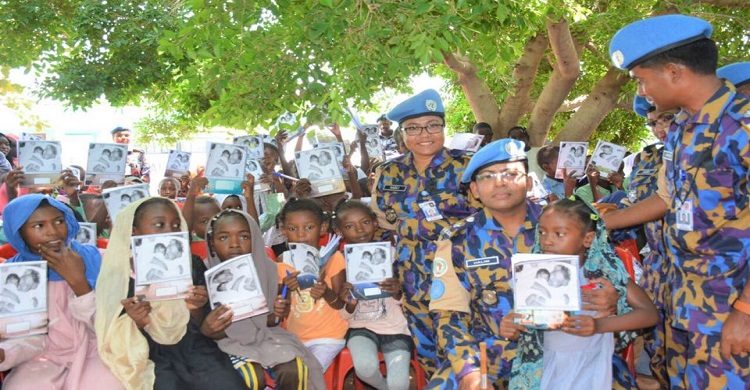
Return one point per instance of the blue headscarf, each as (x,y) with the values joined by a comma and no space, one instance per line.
(18,211)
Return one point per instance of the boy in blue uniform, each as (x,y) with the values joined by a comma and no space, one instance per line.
(703,196)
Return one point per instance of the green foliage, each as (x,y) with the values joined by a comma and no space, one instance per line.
(241,64)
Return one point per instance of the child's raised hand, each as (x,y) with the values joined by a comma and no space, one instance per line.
(137,310)
(602,300)
(281,307)
(291,282)
(509,329)
(579,325)
(217,321)
(617,178)
(248,185)
(14,177)
(593,174)
(302,188)
(196,186)
(197,297)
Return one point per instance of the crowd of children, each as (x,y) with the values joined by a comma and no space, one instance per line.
(453,223)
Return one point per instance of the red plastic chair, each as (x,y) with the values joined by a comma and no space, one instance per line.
(344,365)
(628,258)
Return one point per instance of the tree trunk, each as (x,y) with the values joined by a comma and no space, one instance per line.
(478,94)
(600,102)
(562,80)
(518,103)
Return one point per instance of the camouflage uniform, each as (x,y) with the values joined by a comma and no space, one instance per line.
(399,190)
(707,161)
(643,183)
(471,293)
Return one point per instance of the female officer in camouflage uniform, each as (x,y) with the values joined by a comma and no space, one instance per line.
(417,196)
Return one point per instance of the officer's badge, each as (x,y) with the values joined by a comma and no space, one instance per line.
(618,58)
(430,104)
(489,297)
(439,267)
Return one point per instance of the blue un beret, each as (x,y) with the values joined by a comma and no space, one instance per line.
(427,102)
(646,38)
(737,73)
(502,150)
(641,106)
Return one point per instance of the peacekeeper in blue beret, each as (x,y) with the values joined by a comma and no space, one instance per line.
(737,74)
(417,195)
(643,184)
(702,196)
(471,290)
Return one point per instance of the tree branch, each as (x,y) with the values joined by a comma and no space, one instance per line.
(600,102)
(524,73)
(562,80)
(478,94)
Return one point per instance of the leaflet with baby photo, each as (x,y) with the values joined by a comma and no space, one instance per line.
(466,141)
(225,168)
(320,167)
(41,162)
(86,233)
(235,283)
(339,154)
(306,260)
(372,142)
(607,158)
(255,167)
(23,299)
(253,143)
(367,265)
(537,191)
(178,164)
(573,158)
(117,198)
(162,266)
(546,283)
(106,162)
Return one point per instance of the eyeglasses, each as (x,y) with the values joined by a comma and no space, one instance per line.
(663,118)
(508,176)
(432,128)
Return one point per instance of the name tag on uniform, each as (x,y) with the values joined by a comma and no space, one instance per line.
(394,188)
(685,216)
(667,155)
(481,262)
(430,211)
(646,172)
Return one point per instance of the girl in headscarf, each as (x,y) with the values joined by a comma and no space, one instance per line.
(582,353)
(41,228)
(257,343)
(155,345)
